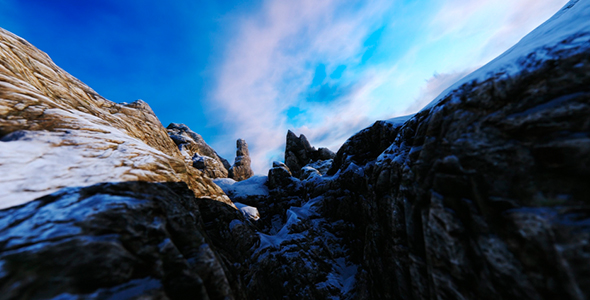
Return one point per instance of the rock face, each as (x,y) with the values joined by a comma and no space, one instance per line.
(482,195)
(131,240)
(299,152)
(241,169)
(197,153)
(57,132)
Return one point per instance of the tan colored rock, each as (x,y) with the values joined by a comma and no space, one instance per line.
(57,132)
(197,153)
(241,169)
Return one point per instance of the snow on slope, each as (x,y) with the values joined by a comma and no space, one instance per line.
(56,132)
(566,33)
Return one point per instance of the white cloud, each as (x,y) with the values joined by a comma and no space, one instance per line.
(270,62)
(267,65)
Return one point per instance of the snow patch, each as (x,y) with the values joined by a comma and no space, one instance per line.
(399,121)
(249,212)
(565,34)
(253,186)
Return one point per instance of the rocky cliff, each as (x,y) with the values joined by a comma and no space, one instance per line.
(197,152)
(481,195)
(57,132)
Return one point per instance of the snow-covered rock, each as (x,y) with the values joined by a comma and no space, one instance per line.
(250,212)
(57,132)
(197,152)
(125,240)
(253,186)
(565,34)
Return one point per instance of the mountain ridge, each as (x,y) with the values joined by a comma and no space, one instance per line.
(480,195)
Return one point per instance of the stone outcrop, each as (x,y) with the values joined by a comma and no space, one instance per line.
(299,153)
(55,131)
(197,152)
(364,146)
(241,169)
(130,240)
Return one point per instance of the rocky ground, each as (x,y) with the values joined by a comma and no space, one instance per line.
(481,195)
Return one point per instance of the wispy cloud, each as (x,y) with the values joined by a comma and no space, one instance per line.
(327,69)
(272,60)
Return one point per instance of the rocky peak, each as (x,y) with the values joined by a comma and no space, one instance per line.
(299,152)
(56,131)
(241,169)
(197,152)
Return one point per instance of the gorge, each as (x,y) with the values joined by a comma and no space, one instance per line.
(483,194)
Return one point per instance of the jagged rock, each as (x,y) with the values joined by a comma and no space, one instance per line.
(475,196)
(123,240)
(55,131)
(241,169)
(298,153)
(197,152)
(365,146)
(482,195)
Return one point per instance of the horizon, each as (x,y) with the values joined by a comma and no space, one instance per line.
(255,70)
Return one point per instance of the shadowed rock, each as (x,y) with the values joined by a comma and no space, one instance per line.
(122,241)
(298,153)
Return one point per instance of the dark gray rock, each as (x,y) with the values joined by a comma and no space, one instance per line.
(481,198)
(325,154)
(365,146)
(296,152)
(122,240)
(299,152)
(241,169)
(279,176)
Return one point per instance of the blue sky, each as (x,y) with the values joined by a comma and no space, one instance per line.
(254,69)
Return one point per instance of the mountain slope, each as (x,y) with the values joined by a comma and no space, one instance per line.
(56,132)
